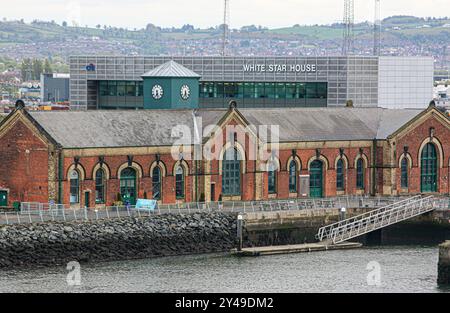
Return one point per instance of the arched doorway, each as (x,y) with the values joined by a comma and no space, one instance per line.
(316,179)
(231,173)
(128,186)
(74,187)
(429,163)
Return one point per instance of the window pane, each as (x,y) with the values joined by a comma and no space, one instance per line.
(121,88)
(280,91)
(112,88)
(293,177)
(249,91)
(100,187)
(231,176)
(179,182)
(360,174)
(311,91)
(131,89)
(156,180)
(340,175)
(269,90)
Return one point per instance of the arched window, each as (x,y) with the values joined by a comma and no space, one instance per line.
(404,173)
(340,176)
(293,187)
(128,186)
(272,180)
(231,173)
(360,174)
(179,182)
(156,181)
(316,179)
(100,186)
(74,187)
(429,164)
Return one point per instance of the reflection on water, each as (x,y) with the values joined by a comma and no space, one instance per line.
(403,269)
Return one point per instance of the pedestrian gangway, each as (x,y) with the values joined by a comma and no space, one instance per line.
(376,219)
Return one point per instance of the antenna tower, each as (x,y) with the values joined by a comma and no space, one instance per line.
(349,21)
(377,30)
(226,27)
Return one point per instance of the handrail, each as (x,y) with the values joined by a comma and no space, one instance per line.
(356,230)
(356,227)
(324,231)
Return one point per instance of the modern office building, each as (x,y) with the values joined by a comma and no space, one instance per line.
(117,82)
(55,87)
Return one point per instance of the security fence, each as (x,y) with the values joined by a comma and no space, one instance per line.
(43,212)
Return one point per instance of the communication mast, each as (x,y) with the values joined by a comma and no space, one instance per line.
(226,27)
(377,30)
(349,21)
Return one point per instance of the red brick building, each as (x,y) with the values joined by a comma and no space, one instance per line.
(103,157)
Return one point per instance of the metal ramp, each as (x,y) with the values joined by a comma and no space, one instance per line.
(377,219)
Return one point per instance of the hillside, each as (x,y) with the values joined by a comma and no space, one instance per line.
(402,35)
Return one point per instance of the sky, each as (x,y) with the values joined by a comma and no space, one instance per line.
(206,13)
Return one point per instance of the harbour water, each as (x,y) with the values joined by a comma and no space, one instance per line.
(401,269)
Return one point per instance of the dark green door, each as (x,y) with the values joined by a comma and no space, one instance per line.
(3,198)
(128,186)
(316,179)
(87,199)
(429,169)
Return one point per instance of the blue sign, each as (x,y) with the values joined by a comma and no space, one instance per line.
(149,205)
(90,67)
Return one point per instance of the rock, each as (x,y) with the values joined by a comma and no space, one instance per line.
(57,243)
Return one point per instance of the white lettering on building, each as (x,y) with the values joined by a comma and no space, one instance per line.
(279,68)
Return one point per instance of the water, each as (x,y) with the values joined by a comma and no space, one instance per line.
(403,269)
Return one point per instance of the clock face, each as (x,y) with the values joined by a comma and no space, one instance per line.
(157,92)
(185,92)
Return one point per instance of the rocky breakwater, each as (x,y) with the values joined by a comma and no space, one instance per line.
(116,239)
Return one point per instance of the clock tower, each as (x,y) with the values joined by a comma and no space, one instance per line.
(171,86)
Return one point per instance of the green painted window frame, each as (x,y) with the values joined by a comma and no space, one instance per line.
(272,179)
(128,183)
(156,183)
(429,171)
(75,188)
(231,173)
(293,181)
(180,183)
(100,186)
(404,173)
(360,177)
(340,175)
(315,180)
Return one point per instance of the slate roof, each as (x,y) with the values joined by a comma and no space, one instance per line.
(333,124)
(147,128)
(97,129)
(171,69)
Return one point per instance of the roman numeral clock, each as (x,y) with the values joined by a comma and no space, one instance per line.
(185,92)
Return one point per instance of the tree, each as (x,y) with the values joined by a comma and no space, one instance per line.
(47,67)
(64,24)
(37,69)
(25,69)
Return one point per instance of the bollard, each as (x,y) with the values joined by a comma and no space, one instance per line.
(444,264)
(342,214)
(240,225)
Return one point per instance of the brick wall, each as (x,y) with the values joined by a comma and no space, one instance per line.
(414,139)
(24,165)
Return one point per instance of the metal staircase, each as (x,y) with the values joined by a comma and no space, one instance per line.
(377,219)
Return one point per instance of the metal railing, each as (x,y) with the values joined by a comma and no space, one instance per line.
(42,212)
(377,219)
(325,232)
